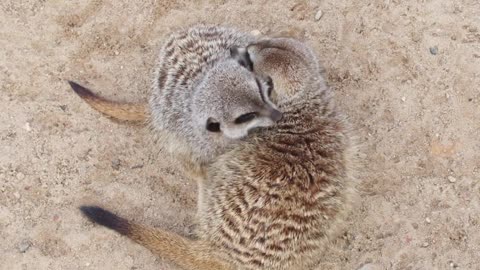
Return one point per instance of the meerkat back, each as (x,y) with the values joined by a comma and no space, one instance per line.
(276,201)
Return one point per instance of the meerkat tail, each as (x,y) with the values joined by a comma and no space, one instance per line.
(186,253)
(131,112)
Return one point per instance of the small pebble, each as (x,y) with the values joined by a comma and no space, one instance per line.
(369,266)
(404,99)
(453,265)
(116,164)
(27,127)
(451,179)
(417,36)
(16,195)
(117,53)
(138,166)
(434,50)
(425,244)
(24,245)
(428,220)
(318,15)
(20,176)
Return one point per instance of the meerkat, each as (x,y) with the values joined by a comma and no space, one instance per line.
(204,96)
(275,200)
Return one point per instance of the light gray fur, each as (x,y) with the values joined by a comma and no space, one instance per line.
(196,79)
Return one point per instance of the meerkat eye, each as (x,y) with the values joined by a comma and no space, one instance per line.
(242,57)
(259,84)
(269,88)
(245,118)
(270,85)
(213,126)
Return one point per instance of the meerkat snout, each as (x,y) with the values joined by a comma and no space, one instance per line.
(276,115)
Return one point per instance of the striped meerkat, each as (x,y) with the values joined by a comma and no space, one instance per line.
(204,96)
(276,199)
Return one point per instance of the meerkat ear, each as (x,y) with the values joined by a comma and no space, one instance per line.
(253,47)
(242,57)
(253,50)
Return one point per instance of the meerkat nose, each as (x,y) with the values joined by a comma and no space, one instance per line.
(276,115)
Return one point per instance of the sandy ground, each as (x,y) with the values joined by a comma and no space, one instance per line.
(406,72)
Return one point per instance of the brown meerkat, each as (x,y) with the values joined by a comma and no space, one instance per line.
(204,96)
(276,199)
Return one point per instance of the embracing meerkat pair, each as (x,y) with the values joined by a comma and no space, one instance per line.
(274,200)
(204,97)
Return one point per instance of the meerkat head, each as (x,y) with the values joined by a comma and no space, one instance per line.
(290,63)
(231,100)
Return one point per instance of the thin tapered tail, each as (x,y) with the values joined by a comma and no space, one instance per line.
(131,112)
(188,254)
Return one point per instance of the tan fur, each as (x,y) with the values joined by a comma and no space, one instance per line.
(121,111)
(275,200)
(186,253)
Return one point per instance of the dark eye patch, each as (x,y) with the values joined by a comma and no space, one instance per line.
(270,85)
(259,85)
(242,56)
(213,126)
(245,118)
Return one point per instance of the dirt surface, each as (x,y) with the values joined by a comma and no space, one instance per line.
(407,73)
